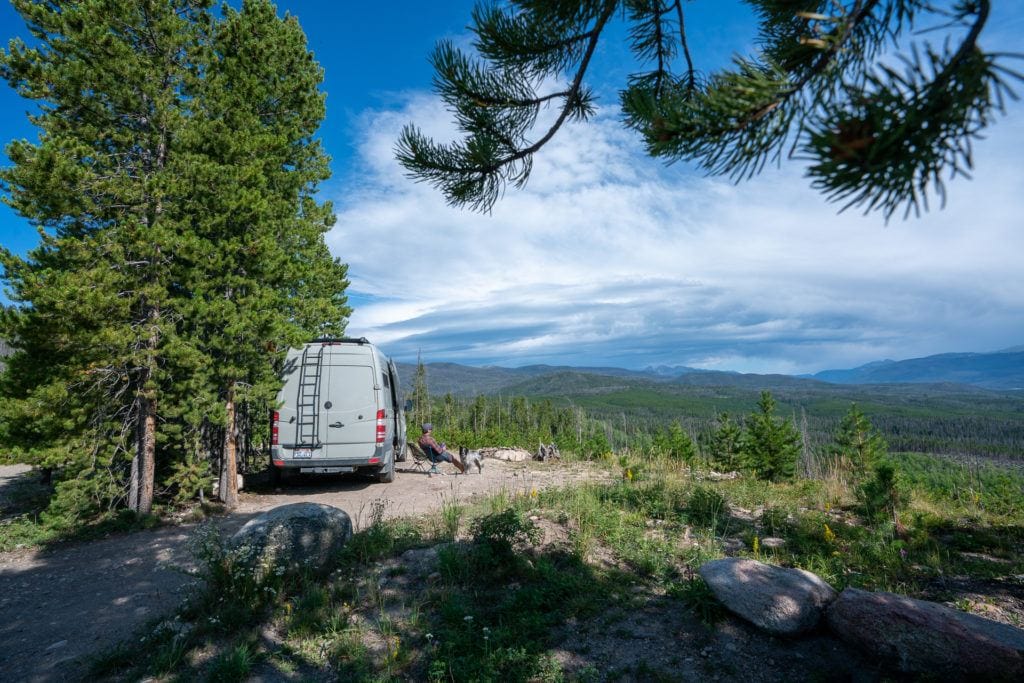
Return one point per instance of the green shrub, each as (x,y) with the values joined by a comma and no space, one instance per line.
(696,595)
(190,477)
(774,520)
(232,666)
(706,506)
(501,532)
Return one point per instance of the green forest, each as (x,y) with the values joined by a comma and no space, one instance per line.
(956,422)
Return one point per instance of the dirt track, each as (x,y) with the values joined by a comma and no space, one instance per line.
(60,605)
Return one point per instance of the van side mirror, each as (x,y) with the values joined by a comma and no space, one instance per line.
(408,404)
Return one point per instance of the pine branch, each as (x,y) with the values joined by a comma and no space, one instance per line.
(889,143)
(810,89)
(691,81)
(475,172)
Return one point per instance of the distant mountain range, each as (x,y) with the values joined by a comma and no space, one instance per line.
(1000,371)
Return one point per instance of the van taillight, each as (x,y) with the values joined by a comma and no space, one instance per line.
(274,433)
(382,427)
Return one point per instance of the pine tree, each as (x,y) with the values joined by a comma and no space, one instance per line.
(822,87)
(859,446)
(680,445)
(770,446)
(261,278)
(93,339)
(726,444)
(421,395)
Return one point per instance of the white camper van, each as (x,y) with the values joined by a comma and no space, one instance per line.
(338,411)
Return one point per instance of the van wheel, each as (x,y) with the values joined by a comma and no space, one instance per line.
(387,473)
(279,476)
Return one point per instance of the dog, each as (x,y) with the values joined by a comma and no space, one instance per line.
(469,457)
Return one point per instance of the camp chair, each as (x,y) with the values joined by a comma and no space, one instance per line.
(420,460)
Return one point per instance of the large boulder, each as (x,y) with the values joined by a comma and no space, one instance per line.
(927,638)
(507,454)
(292,535)
(775,599)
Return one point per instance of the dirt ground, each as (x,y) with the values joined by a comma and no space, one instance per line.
(61,604)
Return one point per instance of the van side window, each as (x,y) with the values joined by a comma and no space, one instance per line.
(387,380)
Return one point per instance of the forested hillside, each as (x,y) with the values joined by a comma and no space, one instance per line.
(949,419)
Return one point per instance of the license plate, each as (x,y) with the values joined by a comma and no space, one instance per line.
(302,453)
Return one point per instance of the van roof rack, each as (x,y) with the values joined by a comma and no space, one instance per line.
(341,340)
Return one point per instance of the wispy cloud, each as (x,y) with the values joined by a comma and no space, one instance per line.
(608,257)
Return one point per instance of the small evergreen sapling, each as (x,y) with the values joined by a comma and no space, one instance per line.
(771,445)
(859,446)
(882,497)
(726,444)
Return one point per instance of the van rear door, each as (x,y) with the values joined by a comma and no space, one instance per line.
(348,417)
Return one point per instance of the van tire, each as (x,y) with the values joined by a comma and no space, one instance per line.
(278,476)
(387,473)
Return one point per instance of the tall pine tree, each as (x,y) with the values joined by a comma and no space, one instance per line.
(110,78)
(259,273)
(182,246)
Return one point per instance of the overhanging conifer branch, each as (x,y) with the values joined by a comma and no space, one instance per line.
(474,173)
(808,89)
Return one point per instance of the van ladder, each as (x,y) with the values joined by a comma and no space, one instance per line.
(308,406)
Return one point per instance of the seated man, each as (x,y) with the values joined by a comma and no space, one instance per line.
(436,451)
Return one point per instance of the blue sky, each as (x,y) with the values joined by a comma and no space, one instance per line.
(611,258)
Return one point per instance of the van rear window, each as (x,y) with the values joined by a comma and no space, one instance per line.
(348,387)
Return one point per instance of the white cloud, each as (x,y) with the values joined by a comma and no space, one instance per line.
(608,257)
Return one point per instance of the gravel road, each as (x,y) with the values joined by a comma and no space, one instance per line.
(60,605)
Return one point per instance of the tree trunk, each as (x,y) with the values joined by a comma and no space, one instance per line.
(229,461)
(133,482)
(147,455)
